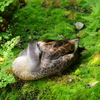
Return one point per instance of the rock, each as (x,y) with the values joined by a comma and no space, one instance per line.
(79,25)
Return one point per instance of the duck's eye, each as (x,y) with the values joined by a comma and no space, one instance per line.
(54,45)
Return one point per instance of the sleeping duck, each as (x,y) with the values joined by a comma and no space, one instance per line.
(45,58)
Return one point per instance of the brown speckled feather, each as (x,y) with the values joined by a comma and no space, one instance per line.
(54,49)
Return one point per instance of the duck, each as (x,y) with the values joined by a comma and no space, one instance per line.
(45,58)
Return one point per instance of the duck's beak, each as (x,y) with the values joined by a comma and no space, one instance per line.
(76,41)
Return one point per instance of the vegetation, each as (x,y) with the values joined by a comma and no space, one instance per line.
(22,21)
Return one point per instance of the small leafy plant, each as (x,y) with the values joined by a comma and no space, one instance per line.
(7,56)
(4,3)
(8,46)
(94,17)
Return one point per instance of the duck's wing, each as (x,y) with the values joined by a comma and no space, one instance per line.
(52,49)
(23,53)
(50,67)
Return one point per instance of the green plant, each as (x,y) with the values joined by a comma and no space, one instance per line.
(41,23)
(7,55)
(7,9)
(5,79)
(4,3)
(1,19)
(8,46)
(94,17)
(27,23)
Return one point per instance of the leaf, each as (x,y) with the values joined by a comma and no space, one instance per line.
(92,2)
(4,3)
(1,59)
(80,34)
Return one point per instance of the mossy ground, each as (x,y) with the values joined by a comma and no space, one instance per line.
(72,85)
(75,82)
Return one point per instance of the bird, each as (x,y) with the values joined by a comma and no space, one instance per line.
(44,58)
